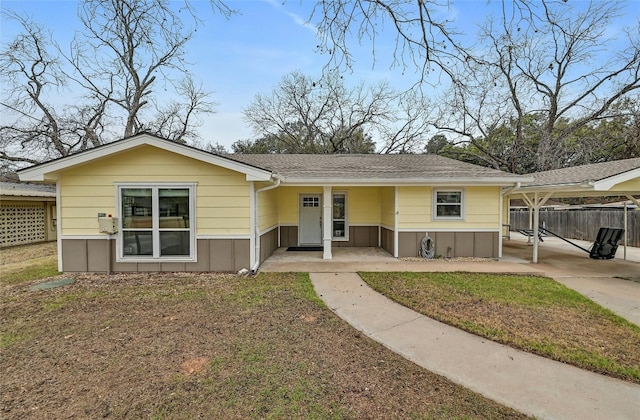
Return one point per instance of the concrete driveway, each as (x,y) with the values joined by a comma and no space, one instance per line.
(614,284)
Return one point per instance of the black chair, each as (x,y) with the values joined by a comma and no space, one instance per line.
(606,244)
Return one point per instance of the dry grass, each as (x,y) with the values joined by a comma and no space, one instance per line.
(20,257)
(27,262)
(26,254)
(205,346)
(535,314)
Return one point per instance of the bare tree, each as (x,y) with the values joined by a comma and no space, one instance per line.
(175,120)
(34,127)
(128,53)
(424,38)
(407,124)
(126,46)
(307,115)
(554,62)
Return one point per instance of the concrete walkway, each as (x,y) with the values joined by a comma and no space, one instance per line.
(533,385)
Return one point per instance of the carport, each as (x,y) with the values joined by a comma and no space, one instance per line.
(605,179)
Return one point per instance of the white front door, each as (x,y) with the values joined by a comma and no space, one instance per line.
(310,221)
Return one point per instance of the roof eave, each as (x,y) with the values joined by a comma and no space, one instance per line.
(49,171)
(608,183)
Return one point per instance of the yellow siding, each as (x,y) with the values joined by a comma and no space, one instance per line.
(387,206)
(414,207)
(481,209)
(288,201)
(267,209)
(628,186)
(222,195)
(482,206)
(363,205)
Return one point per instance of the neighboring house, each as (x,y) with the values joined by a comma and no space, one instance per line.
(27,213)
(177,208)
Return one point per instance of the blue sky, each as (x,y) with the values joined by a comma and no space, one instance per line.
(252,51)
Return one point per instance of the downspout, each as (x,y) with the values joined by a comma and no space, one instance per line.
(256,229)
(59,225)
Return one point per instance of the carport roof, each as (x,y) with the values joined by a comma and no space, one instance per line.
(592,179)
(621,177)
(21,189)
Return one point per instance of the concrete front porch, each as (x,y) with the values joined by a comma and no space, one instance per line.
(353,259)
(557,259)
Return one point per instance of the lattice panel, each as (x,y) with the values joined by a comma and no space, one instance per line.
(21,224)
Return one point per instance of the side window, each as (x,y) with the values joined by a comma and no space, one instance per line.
(448,204)
(339,226)
(156,222)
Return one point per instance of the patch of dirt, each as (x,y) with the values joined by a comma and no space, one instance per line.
(194,365)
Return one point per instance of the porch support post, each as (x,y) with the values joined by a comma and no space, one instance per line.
(395,223)
(326,222)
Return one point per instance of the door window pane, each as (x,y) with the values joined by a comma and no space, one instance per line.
(310,202)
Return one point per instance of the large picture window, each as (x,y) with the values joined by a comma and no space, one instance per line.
(157,222)
(448,204)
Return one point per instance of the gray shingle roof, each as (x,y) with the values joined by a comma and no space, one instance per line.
(583,174)
(27,190)
(371,166)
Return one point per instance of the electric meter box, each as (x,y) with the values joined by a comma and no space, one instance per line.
(108,224)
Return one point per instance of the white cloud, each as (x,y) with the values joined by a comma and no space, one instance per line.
(297,19)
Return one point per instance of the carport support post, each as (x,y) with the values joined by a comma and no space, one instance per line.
(536,225)
(537,203)
(625,230)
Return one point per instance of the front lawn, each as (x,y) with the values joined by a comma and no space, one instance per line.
(535,314)
(205,346)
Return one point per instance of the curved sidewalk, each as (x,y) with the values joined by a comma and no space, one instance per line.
(531,384)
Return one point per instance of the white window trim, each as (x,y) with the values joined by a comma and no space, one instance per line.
(434,212)
(345,238)
(192,257)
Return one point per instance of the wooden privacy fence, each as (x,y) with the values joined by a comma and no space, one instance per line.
(581,224)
